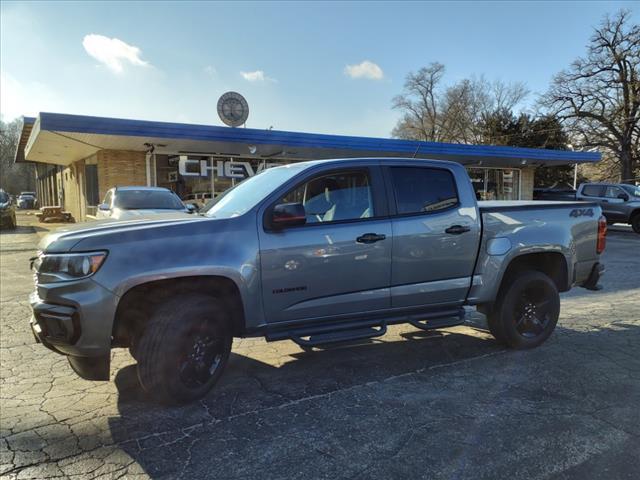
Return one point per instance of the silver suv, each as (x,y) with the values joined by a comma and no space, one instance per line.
(620,202)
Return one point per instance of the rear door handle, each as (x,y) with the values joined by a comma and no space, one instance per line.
(370,238)
(457,229)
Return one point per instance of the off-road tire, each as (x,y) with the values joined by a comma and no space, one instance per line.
(635,223)
(170,337)
(506,319)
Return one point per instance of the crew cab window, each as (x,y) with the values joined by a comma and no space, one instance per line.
(420,190)
(613,192)
(592,190)
(335,197)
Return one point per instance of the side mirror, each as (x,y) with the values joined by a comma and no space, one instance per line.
(191,208)
(623,196)
(288,215)
(104,207)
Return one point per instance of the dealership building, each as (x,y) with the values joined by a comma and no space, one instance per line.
(78,158)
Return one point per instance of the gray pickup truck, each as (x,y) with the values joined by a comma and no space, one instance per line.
(315,252)
(620,202)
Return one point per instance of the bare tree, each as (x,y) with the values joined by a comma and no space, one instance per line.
(13,177)
(419,103)
(598,97)
(455,113)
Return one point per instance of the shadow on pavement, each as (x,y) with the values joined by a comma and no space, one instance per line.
(253,392)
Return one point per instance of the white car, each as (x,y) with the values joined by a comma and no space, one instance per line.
(123,203)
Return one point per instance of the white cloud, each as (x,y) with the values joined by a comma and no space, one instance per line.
(257,76)
(113,52)
(210,70)
(365,69)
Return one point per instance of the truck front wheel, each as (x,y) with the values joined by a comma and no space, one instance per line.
(184,349)
(527,311)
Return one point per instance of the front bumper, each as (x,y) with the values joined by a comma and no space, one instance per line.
(74,318)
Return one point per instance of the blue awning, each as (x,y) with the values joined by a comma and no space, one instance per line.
(77,135)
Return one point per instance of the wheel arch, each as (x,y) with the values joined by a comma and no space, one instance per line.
(138,302)
(552,264)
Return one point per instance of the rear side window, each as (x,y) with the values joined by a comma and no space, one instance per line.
(423,190)
(592,190)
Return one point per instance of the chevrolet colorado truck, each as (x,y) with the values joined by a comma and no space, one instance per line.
(315,252)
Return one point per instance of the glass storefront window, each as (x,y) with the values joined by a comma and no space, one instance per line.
(495,183)
(200,178)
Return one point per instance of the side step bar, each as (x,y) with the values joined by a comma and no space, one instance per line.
(361,333)
(434,323)
(358,329)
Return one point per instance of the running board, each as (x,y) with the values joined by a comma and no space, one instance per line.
(323,332)
(316,339)
(435,323)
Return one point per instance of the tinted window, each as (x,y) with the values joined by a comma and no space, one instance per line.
(423,189)
(147,199)
(91,184)
(613,192)
(339,196)
(592,190)
(632,190)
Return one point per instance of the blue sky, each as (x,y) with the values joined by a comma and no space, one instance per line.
(171,61)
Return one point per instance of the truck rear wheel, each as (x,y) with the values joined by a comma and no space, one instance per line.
(184,349)
(527,311)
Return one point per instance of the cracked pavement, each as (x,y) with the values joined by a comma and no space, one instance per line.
(412,404)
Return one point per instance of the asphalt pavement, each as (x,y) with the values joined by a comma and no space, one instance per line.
(412,404)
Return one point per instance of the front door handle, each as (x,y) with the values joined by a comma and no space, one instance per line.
(370,238)
(457,229)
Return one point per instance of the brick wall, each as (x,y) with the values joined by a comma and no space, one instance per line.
(526,182)
(118,168)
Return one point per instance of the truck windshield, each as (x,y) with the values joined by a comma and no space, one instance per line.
(632,190)
(246,195)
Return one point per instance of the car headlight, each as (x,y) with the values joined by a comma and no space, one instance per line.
(62,267)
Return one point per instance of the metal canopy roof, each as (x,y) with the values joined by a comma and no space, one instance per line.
(27,126)
(62,139)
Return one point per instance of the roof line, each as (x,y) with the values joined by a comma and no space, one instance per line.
(197,132)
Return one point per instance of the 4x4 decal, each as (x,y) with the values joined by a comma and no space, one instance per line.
(581,212)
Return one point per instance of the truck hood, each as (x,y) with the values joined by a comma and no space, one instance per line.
(65,238)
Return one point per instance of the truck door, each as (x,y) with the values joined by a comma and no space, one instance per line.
(436,233)
(613,206)
(339,262)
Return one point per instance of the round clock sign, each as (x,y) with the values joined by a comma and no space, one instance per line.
(233,109)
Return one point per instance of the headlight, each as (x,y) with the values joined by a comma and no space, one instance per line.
(61,267)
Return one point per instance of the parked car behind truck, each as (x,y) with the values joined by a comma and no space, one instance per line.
(620,202)
(7,211)
(315,252)
(27,200)
(121,203)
